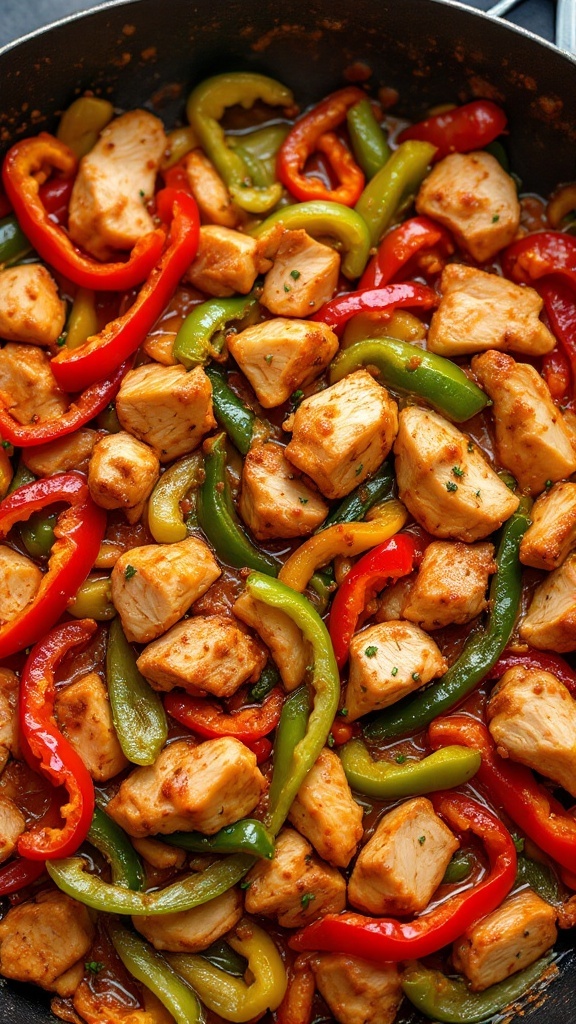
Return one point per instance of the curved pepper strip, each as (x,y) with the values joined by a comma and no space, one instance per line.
(137,709)
(165,518)
(291,730)
(546,661)
(245,836)
(13,242)
(93,600)
(356,504)
(472,126)
(389,939)
(114,845)
(79,531)
(389,189)
(414,236)
(18,874)
(208,719)
(201,336)
(369,142)
(385,781)
(337,312)
(233,416)
(259,150)
(540,254)
(560,305)
(556,373)
(24,168)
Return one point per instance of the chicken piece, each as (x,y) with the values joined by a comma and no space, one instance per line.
(550,622)
(114,182)
(204,654)
(471,194)
(304,276)
(190,931)
(12,825)
(213,198)
(326,813)
(356,991)
(532,438)
(9,742)
(399,869)
(445,482)
(159,854)
(388,661)
(509,939)
(122,474)
(83,712)
(204,787)
(31,309)
(451,584)
(103,1007)
(154,585)
(390,603)
(341,435)
(227,262)
(70,452)
(278,356)
(27,385)
(290,651)
(42,939)
(480,311)
(532,719)
(274,501)
(295,887)
(552,534)
(20,579)
(167,407)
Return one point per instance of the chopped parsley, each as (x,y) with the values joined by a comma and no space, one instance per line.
(422,840)
(359,469)
(303,501)
(6,444)
(478,493)
(518,842)
(307,900)
(415,676)
(129,572)
(287,288)
(470,446)
(400,758)
(245,884)
(94,966)
(294,274)
(343,712)
(297,396)
(495,218)
(394,671)
(451,486)
(61,340)
(268,359)
(548,485)
(330,741)
(371,651)
(458,471)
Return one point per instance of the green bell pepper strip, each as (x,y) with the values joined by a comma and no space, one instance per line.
(22,476)
(206,105)
(218,518)
(290,731)
(325,685)
(411,370)
(540,878)
(114,845)
(151,969)
(137,711)
(480,653)
(233,416)
(354,507)
(93,601)
(459,868)
(259,150)
(269,678)
(320,218)
(385,781)
(400,177)
(221,955)
(37,534)
(445,999)
(13,242)
(165,518)
(369,143)
(245,836)
(202,334)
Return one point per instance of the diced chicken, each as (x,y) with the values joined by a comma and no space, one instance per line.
(471,194)
(204,654)
(108,1007)
(204,787)
(31,309)
(532,719)
(20,579)
(356,991)
(388,661)
(304,276)
(295,887)
(401,866)
(532,438)
(42,939)
(115,181)
(390,603)
(227,262)
(280,355)
(159,854)
(552,534)
(122,473)
(70,452)
(12,825)
(85,717)
(326,813)
(27,385)
(451,584)
(290,651)
(167,407)
(445,482)
(509,939)
(274,500)
(190,931)
(154,585)
(213,198)
(482,311)
(550,622)
(341,435)
(8,715)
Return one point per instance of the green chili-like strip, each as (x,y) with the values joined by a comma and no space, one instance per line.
(165,517)
(245,836)
(369,143)
(398,179)
(233,416)
(355,505)
(202,334)
(386,781)
(137,711)
(13,242)
(114,845)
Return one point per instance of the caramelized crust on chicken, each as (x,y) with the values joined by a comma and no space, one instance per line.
(357,991)
(31,309)
(552,533)
(451,584)
(190,931)
(83,712)
(274,500)
(550,622)
(326,813)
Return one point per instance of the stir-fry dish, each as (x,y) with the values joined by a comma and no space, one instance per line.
(288,562)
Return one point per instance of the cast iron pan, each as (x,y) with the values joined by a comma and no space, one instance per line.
(432,51)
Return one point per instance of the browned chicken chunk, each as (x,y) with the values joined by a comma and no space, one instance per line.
(70,452)
(290,651)
(20,579)
(27,385)
(550,623)
(122,473)
(357,991)
(227,262)
(451,584)
(552,533)
(190,931)
(8,715)
(85,717)
(304,276)
(213,198)
(12,825)
(31,309)
(326,813)
(274,500)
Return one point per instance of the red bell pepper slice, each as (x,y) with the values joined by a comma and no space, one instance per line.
(47,749)
(340,310)
(541,254)
(560,305)
(79,530)
(208,719)
(461,130)
(389,939)
(307,136)
(99,356)
(55,197)
(24,170)
(527,802)
(18,874)
(556,373)
(399,246)
(546,661)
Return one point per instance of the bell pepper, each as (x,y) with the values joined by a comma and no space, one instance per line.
(298,1002)
(233,416)
(137,710)
(540,254)
(560,305)
(414,236)
(395,182)
(206,718)
(46,748)
(165,519)
(369,142)
(55,197)
(25,167)
(245,836)
(79,531)
(93,600)
(540,879)
(472,126)
(389,939)
(356,504)
(114,845)
(202,336)
(269,678)
(386,781)
(545,661)
(82,122)
(557,375)
(337,312)
(290,732)
(101,354)
(459,868)
(259,151)
(13,242)
(37,534)
(220,954)
(82,321)
(18,874)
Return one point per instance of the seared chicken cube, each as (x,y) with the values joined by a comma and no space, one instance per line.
(509,939)
(326,813)
(9,687)
(190,931)
(532,439)
(27,385)
(122,473)
(213,198)
(445,482)
(114,182)
(471,194)
(84,714)
(204,654)
(20,579)
(227,262)
(304,276)
(295,887)
(552,533)
(356,991)
(388,661)
(341,435)
(154,585)
(167,407)
(274,500)
(550,622)
(401,866)
(30,307)
(12,825)
(70,452)
(532,719)
(482,311)
(391,601)
(290,651)
(205,787)
(159,854)
(281,355)
(451,584)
